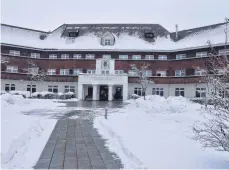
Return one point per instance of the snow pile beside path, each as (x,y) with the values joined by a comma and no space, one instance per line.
(156,133)
(23,137)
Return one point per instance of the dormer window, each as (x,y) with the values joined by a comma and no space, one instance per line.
(73,34)
(149,35)
(107,42)
(107,39)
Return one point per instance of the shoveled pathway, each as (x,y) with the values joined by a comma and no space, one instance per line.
(75,144)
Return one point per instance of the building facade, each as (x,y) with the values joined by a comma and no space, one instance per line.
(94,61)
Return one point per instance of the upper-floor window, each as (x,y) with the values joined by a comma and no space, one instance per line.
(149,57)
(119,72)
(14,53)
(64,56)
(106,56)
(35,55)
(162,57)
(161,73)
(91,71)
(123,57)
(180,73)
(90,56)
(180,56)
(52,56)
(51,71)
(105,72)
(224,52)
(132,73)
(12,69)
(107,42)
(77,71)
(136,57)
(202,54)
(64,71)
(33,70)
(77,56)
(199,72)
(147,73)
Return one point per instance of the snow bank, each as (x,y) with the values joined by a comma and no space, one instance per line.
(23,137)
(156,133)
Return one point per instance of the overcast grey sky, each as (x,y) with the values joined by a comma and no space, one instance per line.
(49,14)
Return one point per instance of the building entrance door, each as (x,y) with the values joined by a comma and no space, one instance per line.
(103,94)
(118,93)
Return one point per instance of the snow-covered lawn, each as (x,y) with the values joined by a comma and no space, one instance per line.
(157,133)
(23,137)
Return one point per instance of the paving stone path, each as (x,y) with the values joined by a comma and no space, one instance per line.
(75,144)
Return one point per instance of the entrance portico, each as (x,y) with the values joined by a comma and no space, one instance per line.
(104,87)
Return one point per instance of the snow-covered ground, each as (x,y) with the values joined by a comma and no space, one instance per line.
(157,133)
(23,137)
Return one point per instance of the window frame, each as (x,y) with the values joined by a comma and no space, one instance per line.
(223,52)
(138,91)
(180,56)
(123,57)
(90,71)
(50,71)
(53,88)
(77,71)
(77,56)
(162,57)
(201,54)
(149,57)
(132,73)
(64,71)
(14,52)
(90,56)
(179,91)
(182,73)
(158,91)
(201,92)
(34,88)
(12,87)
(52,56)
(11,69)
(35,55)
(160,72)
(69,88)
(107,42)
(136,57)
(119,72)
(64,56)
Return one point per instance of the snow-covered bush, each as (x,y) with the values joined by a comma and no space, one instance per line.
(50,95)
(135,96)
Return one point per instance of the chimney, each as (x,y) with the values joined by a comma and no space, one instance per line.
(176,31)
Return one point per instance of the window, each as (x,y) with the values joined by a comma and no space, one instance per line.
(10,87)
(180,73)
(199,72)
(132,73)
(77,56)
(51,72)
(180,56)
(149,35)
(162,57)
(12,69)
(90,56)
(147,73)
(105,71)
(138,91)
(123,57)
(33,90)
(64,71)
(14,53)
(77,71)
(91,71)
(161,73)
(136,57)
(107,42)
(118,72)
(53,89)
(202,54)
(200,92)
(106,56)
(52,56)
(105,64)
(224,52)
(35,55)
(64,56)
(33,70)
(149,57)
(179,92)
(158,91)
(69,89)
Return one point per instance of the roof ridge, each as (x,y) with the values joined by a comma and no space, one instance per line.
(29,29)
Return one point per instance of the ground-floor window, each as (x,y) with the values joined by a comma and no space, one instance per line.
(53,89)
(138,91)
(34,88)
(200,92)
(10,87)
(158,91)
(69,89)
(179,92)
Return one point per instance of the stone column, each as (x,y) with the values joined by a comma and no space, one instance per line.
(80,91)
(95,87)
(125,92)
(110,92)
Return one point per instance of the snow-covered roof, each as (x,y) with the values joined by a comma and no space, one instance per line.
(127,37)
